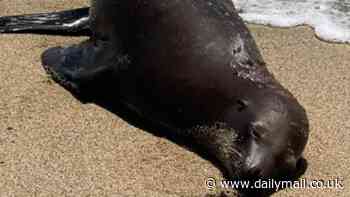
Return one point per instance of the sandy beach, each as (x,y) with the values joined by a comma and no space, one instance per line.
(53,145)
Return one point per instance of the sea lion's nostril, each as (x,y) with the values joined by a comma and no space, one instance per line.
(301,165)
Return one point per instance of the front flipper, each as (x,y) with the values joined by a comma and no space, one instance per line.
(77,66)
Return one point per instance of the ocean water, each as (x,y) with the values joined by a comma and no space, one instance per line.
(329,18)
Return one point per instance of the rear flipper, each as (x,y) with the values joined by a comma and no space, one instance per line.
(71,22)
(78,67)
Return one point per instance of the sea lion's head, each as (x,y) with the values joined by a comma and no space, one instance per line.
(262,137)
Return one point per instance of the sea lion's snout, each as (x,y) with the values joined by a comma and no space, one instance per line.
(262,163)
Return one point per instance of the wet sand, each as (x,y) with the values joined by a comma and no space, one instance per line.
(53,145)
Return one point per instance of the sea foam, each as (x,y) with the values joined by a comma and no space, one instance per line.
(329,18)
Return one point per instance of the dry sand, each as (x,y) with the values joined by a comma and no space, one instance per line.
(52,145)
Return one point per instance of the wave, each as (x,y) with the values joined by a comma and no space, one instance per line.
(329,18)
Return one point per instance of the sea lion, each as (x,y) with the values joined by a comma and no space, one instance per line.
(190,66)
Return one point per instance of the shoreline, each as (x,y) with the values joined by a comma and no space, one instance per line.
(306,26)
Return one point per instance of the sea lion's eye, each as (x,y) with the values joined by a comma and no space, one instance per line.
(256,131)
